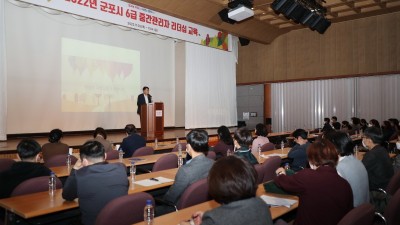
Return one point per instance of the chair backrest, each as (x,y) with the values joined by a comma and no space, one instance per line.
(211,155)
(112,155)
(260,173)
(267,147)
(59,160)
(394,184)
(361,215)
(269,167)
(176,148)
(195,194)
(168,161)
(143,151)
(124,210)
(392,210)
(221,149)
(33,185)
(5,164)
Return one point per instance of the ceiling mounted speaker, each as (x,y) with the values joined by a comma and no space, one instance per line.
(296,12)
(279,5)
(223,14)
(308,18)
(322,26)
(315,22)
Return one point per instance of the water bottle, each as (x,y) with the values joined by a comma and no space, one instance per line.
(149,213)
(120,155)
(156,143)
(282,146)
(68,160)
(177,140)
(287,167)
(52,184)
(259,150)
(180,159)
(132,170)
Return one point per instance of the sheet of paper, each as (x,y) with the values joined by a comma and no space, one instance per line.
(154,181)
(273,154)
(275,201)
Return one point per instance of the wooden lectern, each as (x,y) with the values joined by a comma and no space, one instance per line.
(152,119)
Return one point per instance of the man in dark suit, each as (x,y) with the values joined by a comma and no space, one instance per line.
(132,142)
(144,98)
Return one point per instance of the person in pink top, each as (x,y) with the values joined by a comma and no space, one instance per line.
(262,133)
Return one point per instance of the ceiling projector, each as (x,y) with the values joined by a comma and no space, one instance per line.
(240,13)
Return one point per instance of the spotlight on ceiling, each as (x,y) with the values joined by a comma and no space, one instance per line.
(310,13)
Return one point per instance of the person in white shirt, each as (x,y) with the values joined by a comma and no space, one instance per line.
(262,133)
(349,167)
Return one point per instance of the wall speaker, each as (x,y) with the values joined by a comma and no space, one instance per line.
(244,41)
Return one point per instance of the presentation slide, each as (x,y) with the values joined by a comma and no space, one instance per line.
(76,75)
(98,78)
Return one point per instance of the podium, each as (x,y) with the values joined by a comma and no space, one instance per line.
(152,119)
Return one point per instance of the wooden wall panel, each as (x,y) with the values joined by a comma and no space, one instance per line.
(327,61)
(293,54)
(387,34)
(363,46)
(280,58)
(344,48)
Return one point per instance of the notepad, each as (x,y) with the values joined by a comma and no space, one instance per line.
(152,182)
(136,159)
(273,154)
(275,201)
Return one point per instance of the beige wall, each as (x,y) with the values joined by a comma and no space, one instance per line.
(359,47)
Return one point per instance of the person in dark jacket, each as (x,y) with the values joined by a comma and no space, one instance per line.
(132,142)
(376,160)
(144,98)
(94,181)
(28,151)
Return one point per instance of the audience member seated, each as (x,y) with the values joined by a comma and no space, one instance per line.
(363,124)
(355,124)
(225,142)
(233,183)
(262,133)
(94,182)
(396,127)
(335,123)
(324,196)
(376,160)
(327,125)
(346,127)
(132,142)
(100,135)
(195,169)
(55,147)
(242,140)
(374,123)
(388,131)
(299,152)
(349,167)
(28,152)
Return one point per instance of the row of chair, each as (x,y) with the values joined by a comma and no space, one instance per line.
(365,214)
